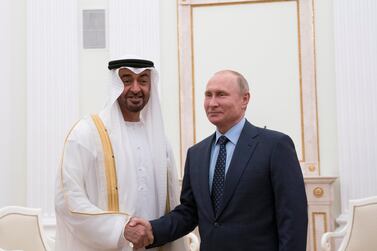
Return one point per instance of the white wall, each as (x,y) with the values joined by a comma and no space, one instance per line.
(52,94)
(93,66)
(13,103)
(355,29)
(169,73)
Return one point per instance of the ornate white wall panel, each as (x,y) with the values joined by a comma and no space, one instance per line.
(134,28)
(52,94)
(292,19)
(356,82)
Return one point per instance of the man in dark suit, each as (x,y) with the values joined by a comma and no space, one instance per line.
(242,186)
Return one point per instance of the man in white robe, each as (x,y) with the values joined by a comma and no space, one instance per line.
(126,169)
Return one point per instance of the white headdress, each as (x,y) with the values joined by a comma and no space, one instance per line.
(150,116)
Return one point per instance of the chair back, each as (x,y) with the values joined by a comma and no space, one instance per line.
(20,228)
(361,232)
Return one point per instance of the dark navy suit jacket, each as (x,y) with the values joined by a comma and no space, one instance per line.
(264,202)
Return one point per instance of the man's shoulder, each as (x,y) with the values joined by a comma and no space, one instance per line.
(203,144)
(84,135)
(265,132)
(82,129)
(270,135)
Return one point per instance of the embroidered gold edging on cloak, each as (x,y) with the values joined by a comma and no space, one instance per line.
(62,182)
(111,179)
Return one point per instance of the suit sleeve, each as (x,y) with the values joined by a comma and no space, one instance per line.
(182,219)
(290,197)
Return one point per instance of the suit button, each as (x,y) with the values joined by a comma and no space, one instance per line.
(216,224)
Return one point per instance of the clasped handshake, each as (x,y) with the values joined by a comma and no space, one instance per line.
(138,232)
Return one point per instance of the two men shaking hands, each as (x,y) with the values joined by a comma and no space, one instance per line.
(139,233)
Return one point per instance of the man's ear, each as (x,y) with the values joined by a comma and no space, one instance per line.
(245,100)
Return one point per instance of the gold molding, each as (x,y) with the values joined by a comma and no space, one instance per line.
(192,75)
(324,215)
(209,4)
(318,192)
(300,80)
(179,95)
(311,168)
(315,82)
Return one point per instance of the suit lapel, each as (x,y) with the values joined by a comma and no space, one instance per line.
(242,153)
(204,175)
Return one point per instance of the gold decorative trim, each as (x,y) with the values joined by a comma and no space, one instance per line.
(300,81)
(315,83)
(318,192)
(193,75)
(65,194)
(314,228)
(237,3)
(110,170)
(311,168)
(179,95)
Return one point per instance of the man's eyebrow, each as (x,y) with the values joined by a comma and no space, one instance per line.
(125,75)
(144,75)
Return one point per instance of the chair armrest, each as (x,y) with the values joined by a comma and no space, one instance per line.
(326,237)
(50,243)
(194,242)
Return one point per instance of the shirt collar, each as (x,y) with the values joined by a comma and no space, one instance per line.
(233,133)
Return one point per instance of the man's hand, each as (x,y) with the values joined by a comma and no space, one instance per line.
(139,232)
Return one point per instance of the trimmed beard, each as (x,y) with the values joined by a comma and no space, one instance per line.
(125,103)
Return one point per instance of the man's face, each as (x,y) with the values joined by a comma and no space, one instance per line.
(224,103)
(136,90)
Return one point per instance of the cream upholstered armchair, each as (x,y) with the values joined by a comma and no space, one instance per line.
(21,229)
(360,230)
